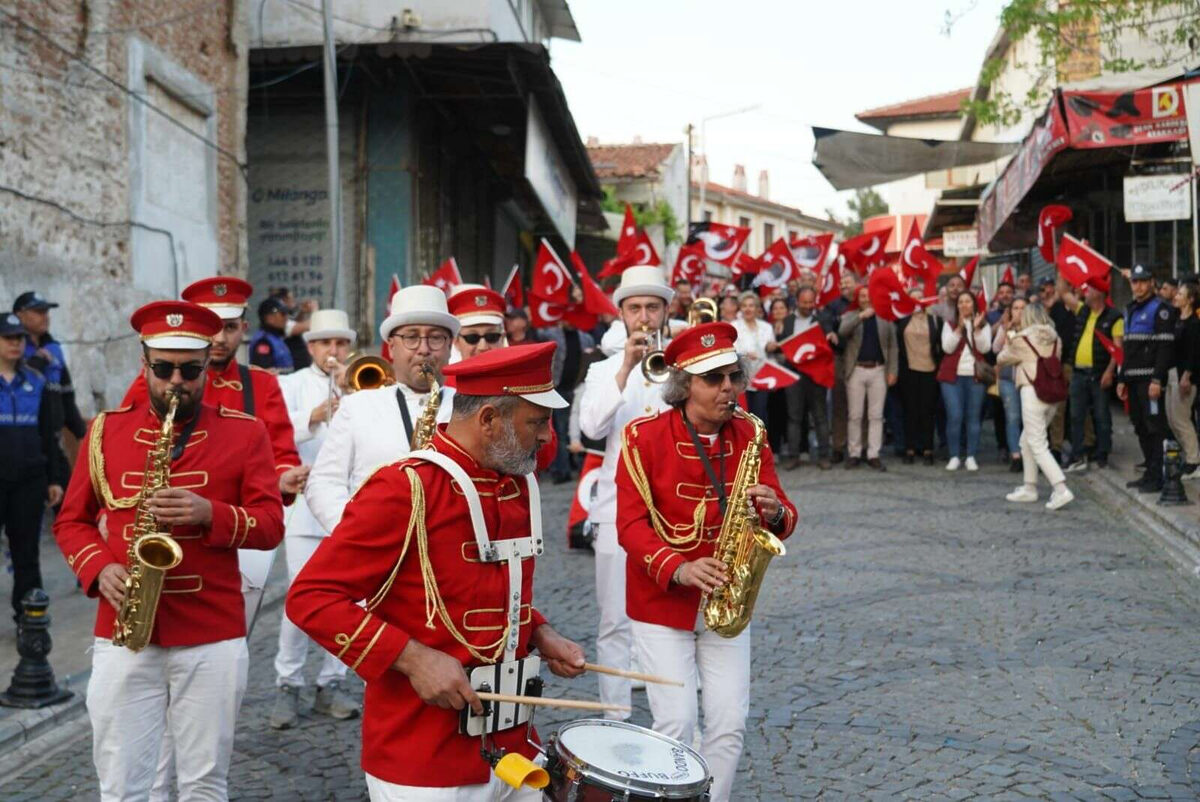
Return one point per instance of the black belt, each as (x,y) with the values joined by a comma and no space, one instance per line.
(870,364)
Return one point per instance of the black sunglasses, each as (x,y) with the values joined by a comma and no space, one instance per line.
(492,337)
(190,371)
(716,378)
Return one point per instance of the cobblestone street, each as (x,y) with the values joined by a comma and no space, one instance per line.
(922,638)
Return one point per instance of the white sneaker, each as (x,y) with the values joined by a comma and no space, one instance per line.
(953,464)
(972,465)
(1023,494)
(1060,498)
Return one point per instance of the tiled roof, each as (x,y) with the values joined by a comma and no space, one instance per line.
(947,104)
(629,161)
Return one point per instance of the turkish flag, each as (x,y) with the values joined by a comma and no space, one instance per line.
(1114,350)
(866,251)
(1007,278)
(721,242)
(743,265)
(809,253)
(446,277)
(773,376)
(888,296)
(625,240)
(1079,264)
(967,273)
(551,281)
(513,292)
(829,282)
(918,262)
(809,351)
(1050,218)
(776,267)
(582,501)
(594,299)
(689,264)
(543,312)
(393,288)
(641,252)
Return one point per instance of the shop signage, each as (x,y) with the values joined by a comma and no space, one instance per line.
(961,241)
(548,176)
(1157,197)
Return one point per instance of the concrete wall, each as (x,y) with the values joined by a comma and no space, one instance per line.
(83,149)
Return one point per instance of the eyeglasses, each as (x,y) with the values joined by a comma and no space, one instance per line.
(491,338)
(412,341)
(716,378)
(189,371)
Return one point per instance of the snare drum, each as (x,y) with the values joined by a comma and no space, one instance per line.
(599,761)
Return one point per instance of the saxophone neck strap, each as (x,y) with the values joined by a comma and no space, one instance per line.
(247,389)
(185,434)
(407,418)
(718,485)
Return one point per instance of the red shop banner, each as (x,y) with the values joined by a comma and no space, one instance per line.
(1114,119)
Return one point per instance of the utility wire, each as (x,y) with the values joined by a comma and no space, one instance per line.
(196,11)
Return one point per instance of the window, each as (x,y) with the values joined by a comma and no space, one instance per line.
(768,233)
(793,234)
(744,222)
(708,215)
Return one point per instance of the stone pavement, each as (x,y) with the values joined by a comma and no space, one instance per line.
(923,638)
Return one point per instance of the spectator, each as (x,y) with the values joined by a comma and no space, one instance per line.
(1005,292)
(1167,289)
(297,324)
(568,367)
(1061,302)
(682,301)
(805,399)
(965,339)
(837,307)
(33,469)
(729,308)
(755,340)
(44,354)
(1009,394)
(871,363)
(920,349)
(1149,345)
(1035,338)
(267,347)
(944,308)
(516,327)
(1181,389)
(1090,372)
(1024,285)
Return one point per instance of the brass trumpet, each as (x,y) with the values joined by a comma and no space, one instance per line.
(702,310)
(654,363)
(367,371)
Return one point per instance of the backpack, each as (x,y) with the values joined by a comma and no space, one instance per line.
(1048,380)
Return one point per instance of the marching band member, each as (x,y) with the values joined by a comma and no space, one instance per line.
(312,399)
(614,393)
(188,681)
(480,314)
(683,461)
(374,427)
(436,580)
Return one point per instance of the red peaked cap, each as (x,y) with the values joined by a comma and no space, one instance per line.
(175,325)
(522,370)
(702,348)
(218,292)
(476,301)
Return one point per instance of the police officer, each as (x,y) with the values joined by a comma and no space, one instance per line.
(268,347)
(33,470)
(45,355)
(1149,354)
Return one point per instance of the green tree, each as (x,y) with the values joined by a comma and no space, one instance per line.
(865,203)
(660,213)
(1080,38)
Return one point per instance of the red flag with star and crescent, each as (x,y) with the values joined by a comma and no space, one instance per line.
(743,265)
(1079,264)
(446,277)
(551,281)
(809,351)
(867,251)
(811,252)
(918,263)
(722,243)
(888,296)
(776,267)
(689,264)
(829,282)
(1114,350)
(513,293)
(773,376)
(967,273)
(625,239)
(640,252)
(1007,278)
(1050,219)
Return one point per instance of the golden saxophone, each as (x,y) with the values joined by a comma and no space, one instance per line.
(152,551)
(743,545)
(427,424)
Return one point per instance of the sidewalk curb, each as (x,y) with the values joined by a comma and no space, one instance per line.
(48,725)
(1178,537)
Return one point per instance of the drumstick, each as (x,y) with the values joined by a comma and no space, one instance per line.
(543,702)
(620,672)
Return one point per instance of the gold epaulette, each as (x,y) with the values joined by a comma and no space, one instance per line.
(100,486)
(226,412)
(681,537)
(636,422)
(117,411)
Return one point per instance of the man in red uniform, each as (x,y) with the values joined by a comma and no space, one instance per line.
(223,495)
(446,589)
(674,479)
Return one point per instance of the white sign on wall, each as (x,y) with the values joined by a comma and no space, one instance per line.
(546,173)
(1157,197)
(961,241)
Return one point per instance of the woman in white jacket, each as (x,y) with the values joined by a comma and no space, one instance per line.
(1036,338)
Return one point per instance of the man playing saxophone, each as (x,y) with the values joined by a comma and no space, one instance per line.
(674,482)
(222,494)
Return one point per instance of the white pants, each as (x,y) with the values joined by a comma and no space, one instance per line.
(613,639)
(869,385)
(1036,416)
(293,643)
(723,666)
(494,790)
(133,698)
(1179,417)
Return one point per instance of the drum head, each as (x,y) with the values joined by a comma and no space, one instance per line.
(625,757)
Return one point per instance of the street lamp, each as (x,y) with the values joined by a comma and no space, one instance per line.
(704,146)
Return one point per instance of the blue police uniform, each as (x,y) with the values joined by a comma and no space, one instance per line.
(1149,354)
(46,357)
(269,350)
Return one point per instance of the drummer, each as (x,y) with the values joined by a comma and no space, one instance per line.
(436,584)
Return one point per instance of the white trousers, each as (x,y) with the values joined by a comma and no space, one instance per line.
(1036,416)
(134,699)
(494,790)
(723,666)
(1179,417)
(613,639)
(293,643)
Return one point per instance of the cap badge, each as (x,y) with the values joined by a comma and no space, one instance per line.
(708,340)
(219,290)
(480,300)
(174,320)
(12,320)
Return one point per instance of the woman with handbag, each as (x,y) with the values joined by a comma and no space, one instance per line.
(1034,354)
(965,376)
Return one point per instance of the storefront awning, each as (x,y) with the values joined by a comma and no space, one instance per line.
(850,160)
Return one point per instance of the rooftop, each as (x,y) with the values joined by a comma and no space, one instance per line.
(750,198)
(947,105)
(629,161)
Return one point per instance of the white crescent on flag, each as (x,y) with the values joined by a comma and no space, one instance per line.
(587,483)
(765,382)
(643,253)
(872,248)
(712,245)
(908,249)
(827,284)
(1075,260)
(804,352)
(556,270)
(544,312)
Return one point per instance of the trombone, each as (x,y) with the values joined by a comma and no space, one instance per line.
(702,310)
(367,371)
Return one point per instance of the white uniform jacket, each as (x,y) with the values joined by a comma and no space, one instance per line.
(603,413)
(367,432)
(304,391)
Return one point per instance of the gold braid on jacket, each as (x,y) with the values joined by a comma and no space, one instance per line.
(693,532)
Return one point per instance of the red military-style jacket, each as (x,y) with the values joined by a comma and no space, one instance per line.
(227,460)
(375,554)
(224,389)
(678,482)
